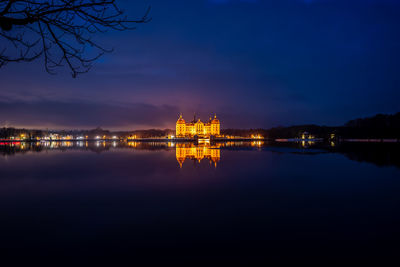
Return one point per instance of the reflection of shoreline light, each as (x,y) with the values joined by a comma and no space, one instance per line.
(171,144)
(199,152)
(257,143)
(306,144)
(132,144)
(66,144)
(204,141)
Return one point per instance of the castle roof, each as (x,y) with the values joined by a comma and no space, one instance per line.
(197,120)
(215,120)
(180,120)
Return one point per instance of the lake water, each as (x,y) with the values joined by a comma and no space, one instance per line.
(245,203)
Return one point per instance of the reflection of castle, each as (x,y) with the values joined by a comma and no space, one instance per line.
(191,151)
(199,128)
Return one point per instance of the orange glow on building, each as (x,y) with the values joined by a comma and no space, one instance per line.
(197,128)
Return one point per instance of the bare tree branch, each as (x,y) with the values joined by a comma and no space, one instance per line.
(59,30)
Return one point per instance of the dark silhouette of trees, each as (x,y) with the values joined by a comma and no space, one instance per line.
(377,121)
(59,30)
(376,127)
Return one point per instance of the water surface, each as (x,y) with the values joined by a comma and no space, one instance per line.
(207,203)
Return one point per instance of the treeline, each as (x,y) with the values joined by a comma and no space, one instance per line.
(381,121)
(122,134)
(125,134)
(29,134)
(6,133)
(284,132)
(148,133)
(379,126)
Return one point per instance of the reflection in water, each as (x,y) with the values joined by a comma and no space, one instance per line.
(307,144)
(198,152)
(133,144)
(257,143)
(132,201)
(380,154)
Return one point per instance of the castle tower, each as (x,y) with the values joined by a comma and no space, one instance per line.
(199,126)
(215,126)
(180,127)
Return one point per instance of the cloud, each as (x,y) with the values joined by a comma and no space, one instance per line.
(56,114)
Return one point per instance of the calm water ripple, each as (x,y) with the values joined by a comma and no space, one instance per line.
(210,203)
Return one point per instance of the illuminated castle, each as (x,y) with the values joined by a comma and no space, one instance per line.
(197,128)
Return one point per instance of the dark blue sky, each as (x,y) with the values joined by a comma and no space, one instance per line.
(255,63)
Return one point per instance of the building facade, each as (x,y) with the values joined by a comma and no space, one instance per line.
(197,128)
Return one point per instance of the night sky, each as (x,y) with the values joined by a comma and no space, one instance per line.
(257,64)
